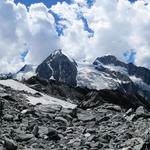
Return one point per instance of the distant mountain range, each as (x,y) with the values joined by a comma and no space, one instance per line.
(105,72)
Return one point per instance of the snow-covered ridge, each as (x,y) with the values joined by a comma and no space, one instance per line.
(56,52)
(140,82)
(44,99)
(90,77)
(95,79)
(17,86)
(25,73)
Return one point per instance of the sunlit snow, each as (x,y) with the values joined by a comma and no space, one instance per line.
(44,99)
(30,70)
(90,77)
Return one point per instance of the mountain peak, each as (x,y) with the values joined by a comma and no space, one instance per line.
(59,67)
(26,68)
(108,59)
(54,55)
(57,52)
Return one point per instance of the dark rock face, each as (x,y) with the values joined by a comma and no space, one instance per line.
(110,59)
(1,108)
(10,144)
(128,86)
(58,66)
(25,67)
(139,72)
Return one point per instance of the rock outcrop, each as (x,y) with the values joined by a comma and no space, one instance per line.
(87,98)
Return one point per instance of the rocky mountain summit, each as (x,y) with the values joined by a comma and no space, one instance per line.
(132,70)
(58,66)
(131,79)
(97,120)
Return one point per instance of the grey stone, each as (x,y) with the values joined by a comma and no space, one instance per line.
(48,109)
(86,117)
(140,111)
(43,130)
(1,147)
(24,137)
(8,117)
(129,112)
(10,144)
(53,134)
(63,120)
(35,130)
(114,107)
(130,118)
(102,119)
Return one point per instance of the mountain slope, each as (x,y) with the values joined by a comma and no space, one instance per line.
(87,98)
(131,79)
(131,69)
(25,72)
(43,98)
(57,66)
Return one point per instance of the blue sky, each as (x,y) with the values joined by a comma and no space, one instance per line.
(49,3)
(23,55)
(132,1)
(129,55)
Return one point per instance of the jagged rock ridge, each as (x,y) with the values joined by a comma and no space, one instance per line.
(133,70)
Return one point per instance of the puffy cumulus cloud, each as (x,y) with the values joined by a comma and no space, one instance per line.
(43,37)
(118,26)
(8,35)
(88,30)
(22,29)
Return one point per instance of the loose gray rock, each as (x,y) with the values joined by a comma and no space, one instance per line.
(24,137)
(35,131)
(8,117)
(10,144)
(86,117)
(53,134)
(140,111)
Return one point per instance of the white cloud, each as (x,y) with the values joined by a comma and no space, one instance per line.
(43,36)
(18,26)
(118,26)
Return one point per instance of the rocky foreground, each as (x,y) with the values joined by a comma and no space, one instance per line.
(105,126)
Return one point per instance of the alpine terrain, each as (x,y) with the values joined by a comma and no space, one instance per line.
(105,72)
(62,104)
